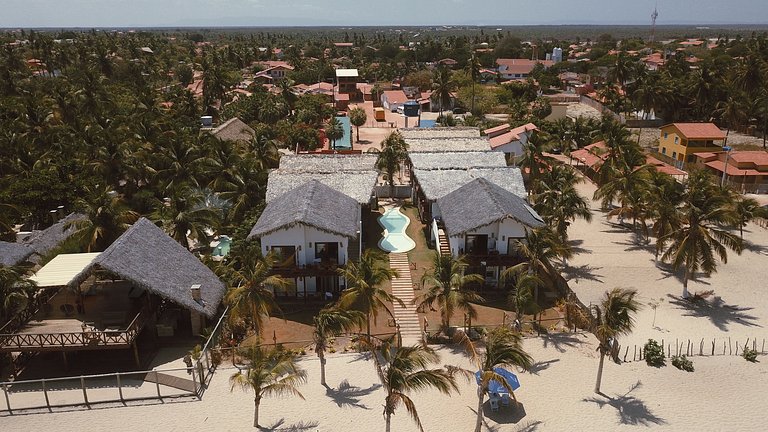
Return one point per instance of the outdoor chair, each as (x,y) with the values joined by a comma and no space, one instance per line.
(494,404)
(505,400)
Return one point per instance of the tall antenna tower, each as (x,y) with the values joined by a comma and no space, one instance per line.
(654,15)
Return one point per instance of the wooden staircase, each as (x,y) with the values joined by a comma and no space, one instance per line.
(442,241)
(402,287)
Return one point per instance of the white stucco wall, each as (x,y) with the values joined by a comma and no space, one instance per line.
(303,238)
(498,234)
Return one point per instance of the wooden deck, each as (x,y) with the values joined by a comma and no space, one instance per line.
(69,335)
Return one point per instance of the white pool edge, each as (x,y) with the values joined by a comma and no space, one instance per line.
(405,228)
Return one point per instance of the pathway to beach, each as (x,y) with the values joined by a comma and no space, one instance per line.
(402,287)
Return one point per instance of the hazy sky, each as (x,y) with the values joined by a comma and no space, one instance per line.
(134,13)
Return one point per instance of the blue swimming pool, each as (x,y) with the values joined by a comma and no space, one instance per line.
(345,142)
(427,123)
(222,249)
(395,239)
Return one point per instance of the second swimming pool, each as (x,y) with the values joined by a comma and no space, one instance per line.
(395,239)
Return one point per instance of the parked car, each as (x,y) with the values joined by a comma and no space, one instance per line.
(459,110)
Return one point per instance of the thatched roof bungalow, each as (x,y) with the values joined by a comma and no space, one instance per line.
(440,132)
(150,259)
(456,160)
(233,129)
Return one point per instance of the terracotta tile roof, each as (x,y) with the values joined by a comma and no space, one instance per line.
(511,136)
(758,158)
(495,130)
(664,167)
(589,154)
(732,170)
(699,130)
(706,156)
(520,66)
(395,96)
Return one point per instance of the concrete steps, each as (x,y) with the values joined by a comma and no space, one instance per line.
(402,287)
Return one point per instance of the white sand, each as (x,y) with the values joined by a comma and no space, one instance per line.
(725,393)
(610,258)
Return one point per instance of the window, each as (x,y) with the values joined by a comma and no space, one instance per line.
(327,253)
(663,150)
(674,155)
(285,256)
(476,244)
(666,135)
(677,140)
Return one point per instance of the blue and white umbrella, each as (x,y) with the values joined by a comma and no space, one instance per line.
(495,386)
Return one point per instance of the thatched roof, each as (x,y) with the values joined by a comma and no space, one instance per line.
(480,203)
(447,144)
(48,239)
(328,163)
(12,254)
(457,160)
(147,257)
(439,183)
(233,129)
(312,204)
(440,132)
(355,184)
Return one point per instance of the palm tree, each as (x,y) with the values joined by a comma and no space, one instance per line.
(107,217)
(442,86)
(747,210)
(334,130)
(628,185)
(503,347)
(448,288)
(270,373)
(664,195)
(613,318)
(700,238)
(732,111)
(394,151)
(533,159)
(540,248)
(251,296)
(557,200)
(330,323)
(404,370)
(16,292)
(364,292)
(521,298)
(185,216)
(473,68)
(358,118)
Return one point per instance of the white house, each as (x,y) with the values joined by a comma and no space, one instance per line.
(518,69)
(484,222)
(311,230)
(510,141)
(392,99)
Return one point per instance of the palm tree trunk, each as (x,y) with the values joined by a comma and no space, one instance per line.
(472,110)
(599,372)
(256,403)
(685,284)
(368,325)
(388,417)
(480,397)
(321,354)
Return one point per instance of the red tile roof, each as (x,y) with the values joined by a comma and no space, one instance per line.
(664,167)
(589,154)
(511,136)
(758,158)
(395,96)
(732,170)
(699,130)
(495,130)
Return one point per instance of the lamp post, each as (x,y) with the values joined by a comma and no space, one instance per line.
(727,150)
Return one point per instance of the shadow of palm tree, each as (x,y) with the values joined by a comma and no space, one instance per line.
(577,247)
(561,341)
(668,271)
(541,365)
(280,426)
(585,271)
(633,245)
(348,395)
(505,415)
(631,410)
(716,310)
(754,247)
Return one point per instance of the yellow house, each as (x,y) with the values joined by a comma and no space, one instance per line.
(680,141)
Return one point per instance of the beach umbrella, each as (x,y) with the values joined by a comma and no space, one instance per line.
(495,386)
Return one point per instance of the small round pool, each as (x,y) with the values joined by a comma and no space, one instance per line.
(395,239)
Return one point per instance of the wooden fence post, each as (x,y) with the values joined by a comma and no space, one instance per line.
(194,384)
(7,399)
(45,392)
(85,392)
(157,384)
(713,347)
(730,351)
(625,354)
(120,387)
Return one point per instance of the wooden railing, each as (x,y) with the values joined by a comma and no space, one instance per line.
(87,339)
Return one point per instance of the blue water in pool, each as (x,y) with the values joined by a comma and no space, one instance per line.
(345,142)
(395,239)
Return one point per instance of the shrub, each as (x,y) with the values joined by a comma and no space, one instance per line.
(654,354)
(682,363)
(749,355)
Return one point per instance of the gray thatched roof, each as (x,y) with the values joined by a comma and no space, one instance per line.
(12,254)
(328,163)
(457,160)
(480,203)
(355,184)
(440,132)
(147,257)
(233,129)
(48,239)
(312,204)
(439,183)
(447,144)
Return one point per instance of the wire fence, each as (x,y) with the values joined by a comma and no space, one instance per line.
(691,348)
